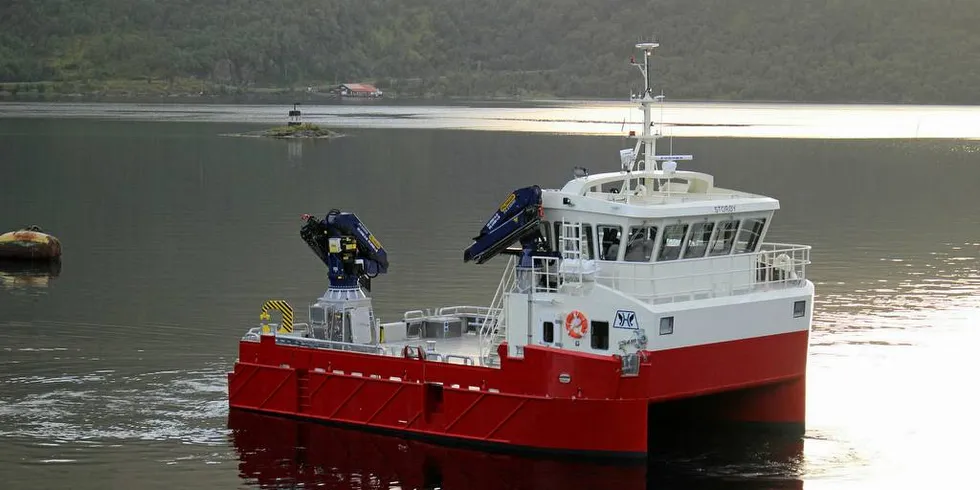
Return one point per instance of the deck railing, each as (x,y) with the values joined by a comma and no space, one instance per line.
(493,329)
(775,265)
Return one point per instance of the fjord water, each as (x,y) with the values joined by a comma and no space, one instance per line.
(112,367)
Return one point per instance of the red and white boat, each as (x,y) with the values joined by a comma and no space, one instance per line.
(638,299)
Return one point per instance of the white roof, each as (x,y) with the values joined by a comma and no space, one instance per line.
(696,195)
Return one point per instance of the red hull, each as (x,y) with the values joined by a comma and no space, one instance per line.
(523,405)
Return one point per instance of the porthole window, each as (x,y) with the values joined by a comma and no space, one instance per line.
(548,333)
(799,309)
(600,335)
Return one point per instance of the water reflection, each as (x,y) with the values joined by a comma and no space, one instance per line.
(295,152)
(722,457)
(27,274)
(908,292)
(705,119)
(891,353)
(179,232)
(277,452)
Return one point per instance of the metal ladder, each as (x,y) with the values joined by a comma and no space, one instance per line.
(493,332)
(303,402)
(570,246)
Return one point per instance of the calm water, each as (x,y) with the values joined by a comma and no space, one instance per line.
(112,369)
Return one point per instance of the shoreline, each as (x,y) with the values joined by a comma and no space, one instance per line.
(270,95)
(404,100)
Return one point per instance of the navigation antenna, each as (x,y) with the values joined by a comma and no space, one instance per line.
(648,138)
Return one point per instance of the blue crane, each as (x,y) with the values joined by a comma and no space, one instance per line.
(517,219)
(352,254)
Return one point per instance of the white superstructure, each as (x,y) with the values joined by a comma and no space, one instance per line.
(646,258)
(652,256)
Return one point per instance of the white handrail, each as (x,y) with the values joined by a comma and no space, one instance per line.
(774,265)
(495,312)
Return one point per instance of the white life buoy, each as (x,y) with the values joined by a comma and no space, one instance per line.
(784,263)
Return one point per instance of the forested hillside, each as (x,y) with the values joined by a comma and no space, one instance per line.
(924,51)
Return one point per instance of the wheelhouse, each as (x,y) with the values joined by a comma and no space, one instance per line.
(692,219)
(664,240)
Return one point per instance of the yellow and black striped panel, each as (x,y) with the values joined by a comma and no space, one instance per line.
(283,308)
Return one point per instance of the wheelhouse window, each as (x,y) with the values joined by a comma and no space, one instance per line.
(697,242)
(545,229)
(724,238)
(748,236)
(609,239)
(640,243)
(672,242)
(587,252)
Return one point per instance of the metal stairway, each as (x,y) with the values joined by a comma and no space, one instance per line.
(493,332)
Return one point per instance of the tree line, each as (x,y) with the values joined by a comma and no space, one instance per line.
(906,51)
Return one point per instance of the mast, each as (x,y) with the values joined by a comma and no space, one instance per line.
(648,137)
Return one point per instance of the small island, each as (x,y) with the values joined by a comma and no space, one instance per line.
(305,130)
(298,131)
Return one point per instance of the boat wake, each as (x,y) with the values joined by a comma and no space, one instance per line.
(174,405)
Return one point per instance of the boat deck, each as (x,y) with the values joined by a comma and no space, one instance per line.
(464,349)
(453,349)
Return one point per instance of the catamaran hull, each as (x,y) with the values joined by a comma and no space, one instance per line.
(526,405)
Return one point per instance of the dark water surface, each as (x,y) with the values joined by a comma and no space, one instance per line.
(112,369)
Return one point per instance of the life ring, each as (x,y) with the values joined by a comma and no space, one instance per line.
(576,324)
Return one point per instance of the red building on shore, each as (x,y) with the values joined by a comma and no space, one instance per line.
(358,90)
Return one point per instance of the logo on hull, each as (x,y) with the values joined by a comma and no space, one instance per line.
(626,319)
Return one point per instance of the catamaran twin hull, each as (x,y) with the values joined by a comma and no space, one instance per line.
(637,299)
(550,400)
